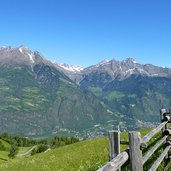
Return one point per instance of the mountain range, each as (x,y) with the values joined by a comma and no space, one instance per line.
(42,98)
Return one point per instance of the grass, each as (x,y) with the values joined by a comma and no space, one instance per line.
(4,154)
(5,144)
(88,155)
(3,157)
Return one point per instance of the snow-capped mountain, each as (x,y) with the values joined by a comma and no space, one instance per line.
(30,84)
(107,71)
(125,68)
(21,55)
(112,68)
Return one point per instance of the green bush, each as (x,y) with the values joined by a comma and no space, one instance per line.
(2,147)
(39,149)
(13,151)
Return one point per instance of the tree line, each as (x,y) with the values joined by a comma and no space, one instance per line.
(41,145)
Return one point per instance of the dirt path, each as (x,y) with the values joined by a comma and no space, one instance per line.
(27,152)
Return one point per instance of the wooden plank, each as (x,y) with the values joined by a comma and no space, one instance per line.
(147,137)
(116,162)
(135,152)
(114,144)
(153,149)
(157,163)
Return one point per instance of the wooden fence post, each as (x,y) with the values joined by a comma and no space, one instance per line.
(162,112)
(114,144)
(135,152)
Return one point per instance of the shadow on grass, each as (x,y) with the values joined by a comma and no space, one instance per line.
(3,159)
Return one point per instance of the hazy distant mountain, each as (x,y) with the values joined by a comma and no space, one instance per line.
(135,91)
(122,69)
(74,72)
(113,70)
(71,68)
(106,72)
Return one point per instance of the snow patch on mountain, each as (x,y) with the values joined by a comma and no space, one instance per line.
(71,68)
(130,71)
(3,47)
(7,48)
(28,53)
(134,61)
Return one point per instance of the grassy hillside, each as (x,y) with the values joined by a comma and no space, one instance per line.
(5,144)
(87,155)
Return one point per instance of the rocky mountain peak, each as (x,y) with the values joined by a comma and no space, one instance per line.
(103,62)
(23,47)
(119,70)
(20,55)
(112,68)
(5,47)
(130,60)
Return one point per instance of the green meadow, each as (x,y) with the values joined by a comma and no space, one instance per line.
(87,155)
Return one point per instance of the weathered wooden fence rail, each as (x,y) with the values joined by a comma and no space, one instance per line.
(136,145)
(116,162)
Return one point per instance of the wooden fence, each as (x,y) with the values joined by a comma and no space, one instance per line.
(133,154)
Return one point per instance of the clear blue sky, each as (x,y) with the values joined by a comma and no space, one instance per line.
(85,32)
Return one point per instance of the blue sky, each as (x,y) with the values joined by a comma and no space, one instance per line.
(84,32)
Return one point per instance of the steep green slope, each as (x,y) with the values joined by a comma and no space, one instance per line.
(135,98)
(41,101)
